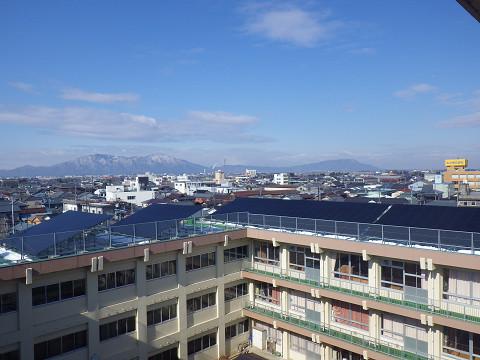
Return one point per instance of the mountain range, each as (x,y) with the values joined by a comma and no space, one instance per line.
(103,164)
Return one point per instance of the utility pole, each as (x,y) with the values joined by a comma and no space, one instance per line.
(13,218)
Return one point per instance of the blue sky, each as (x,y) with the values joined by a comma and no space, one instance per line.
(393,84)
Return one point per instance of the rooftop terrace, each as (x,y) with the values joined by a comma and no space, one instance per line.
(99,235)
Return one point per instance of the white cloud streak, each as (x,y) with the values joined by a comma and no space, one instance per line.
(291,25)
(106,124)
(463,121)
(414,90)
(220,117)
(96,97)
(22,86)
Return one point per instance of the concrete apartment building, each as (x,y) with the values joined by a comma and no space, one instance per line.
(456,172)
(302,279)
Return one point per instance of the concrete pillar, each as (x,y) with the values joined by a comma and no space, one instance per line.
(374,324)
(141,309)
(252,252)
(182,307)
(435,286)
(325,352)
(325,267)
(435,337)
(25,319)
(92,307)
(374,275)
(285,302)
(220,301)
(285,345)
(284,259)
(251,293)
(326,311)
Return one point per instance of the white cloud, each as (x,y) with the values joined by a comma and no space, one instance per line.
(363,51)
(416,89)
(220,117)
(105,124)
(291,25)
(22,86)
(95,97)
(464,121)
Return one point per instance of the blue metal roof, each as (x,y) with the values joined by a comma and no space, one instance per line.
(419,216)
(155,220)
(67,221)
(160,212)
(60,230)
(326,210)
(433,217)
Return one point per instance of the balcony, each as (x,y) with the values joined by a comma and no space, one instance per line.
(337,332)
(445,308)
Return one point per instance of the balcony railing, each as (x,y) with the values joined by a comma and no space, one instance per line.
(445,308)
(337,332)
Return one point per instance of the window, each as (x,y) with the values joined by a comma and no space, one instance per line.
(171,354)
(304,345)
(302,256)
(201,302)
(298,301)
(397,274)
(11,355)
(230,331)
(202,343)
(349,314)
(162,314)
(235,254)
(236,291)
(236,329)
(268,293)
(200,261)
(163,269)
(457,342)
(462,286)
(117,328)
(59,291)
(116,279)
(131,197)
(8,302)
(60,345)
(351,267)
(340,354)
(264,252)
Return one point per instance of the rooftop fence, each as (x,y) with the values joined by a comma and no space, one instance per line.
(20,248)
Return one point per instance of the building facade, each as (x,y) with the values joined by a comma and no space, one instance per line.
(456,172)
(297,295)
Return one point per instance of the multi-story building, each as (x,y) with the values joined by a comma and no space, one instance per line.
(281,178)
(302,280)
(456,172)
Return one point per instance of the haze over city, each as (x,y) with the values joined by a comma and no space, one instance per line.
(266,83)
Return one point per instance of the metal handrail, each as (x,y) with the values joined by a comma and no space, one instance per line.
(103,237)
(443,307)
(331,330)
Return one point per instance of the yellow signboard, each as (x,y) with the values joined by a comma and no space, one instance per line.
(456,163)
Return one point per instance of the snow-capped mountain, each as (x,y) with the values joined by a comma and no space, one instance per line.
(103,164)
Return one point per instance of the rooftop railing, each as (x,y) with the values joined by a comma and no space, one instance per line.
(19,248)
(433,239)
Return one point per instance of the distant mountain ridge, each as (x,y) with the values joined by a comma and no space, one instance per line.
(103,164)
(320,166)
